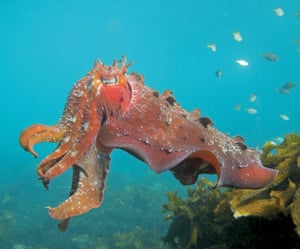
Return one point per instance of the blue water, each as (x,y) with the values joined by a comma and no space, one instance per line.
(46,46)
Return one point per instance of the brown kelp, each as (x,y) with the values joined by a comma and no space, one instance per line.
(190,216)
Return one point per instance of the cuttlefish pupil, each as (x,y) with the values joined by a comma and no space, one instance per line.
(109,80)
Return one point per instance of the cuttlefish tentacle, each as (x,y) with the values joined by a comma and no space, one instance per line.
(40,133)
(117,68)
(71,119)
(83,126)
(88,185)
(58,133)
(75,132)
(84,134)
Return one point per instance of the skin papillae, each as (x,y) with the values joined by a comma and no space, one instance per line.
(110,108)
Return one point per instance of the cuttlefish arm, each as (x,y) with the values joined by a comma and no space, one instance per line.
(40,133)
(88,185)
(77,135)
(75,132)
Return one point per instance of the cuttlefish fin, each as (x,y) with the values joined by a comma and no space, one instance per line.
(232,171)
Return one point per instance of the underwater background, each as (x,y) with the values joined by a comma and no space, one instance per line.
(185,46)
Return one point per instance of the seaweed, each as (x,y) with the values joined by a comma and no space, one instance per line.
(242,218)
(280,196)
(7,224)
(135,239)
(189,217)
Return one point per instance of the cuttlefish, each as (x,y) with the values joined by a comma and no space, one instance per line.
(110,108)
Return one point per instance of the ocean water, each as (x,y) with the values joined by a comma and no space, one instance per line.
(46,46)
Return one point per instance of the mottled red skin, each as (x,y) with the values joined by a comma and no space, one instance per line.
(110,109)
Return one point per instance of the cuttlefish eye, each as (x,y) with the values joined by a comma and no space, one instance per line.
(110,80)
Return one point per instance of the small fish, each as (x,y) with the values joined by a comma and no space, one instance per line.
(298,14)
(252,97)
(237,107)
(279,11)
(237,36)
(251,111)
(277,140)
(242,62)
(212,47)
(286,88)
(219,73)
(283,91)
(289,85)
(284,117)
(270,56)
